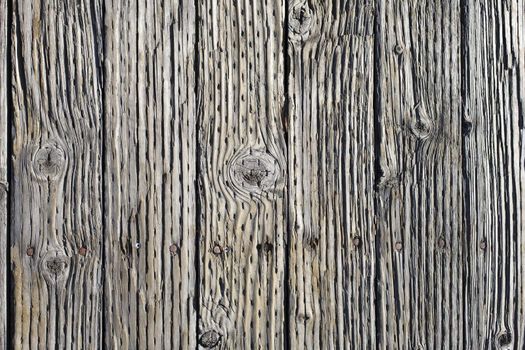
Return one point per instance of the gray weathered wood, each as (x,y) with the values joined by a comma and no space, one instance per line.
(419,205)
(56,169)
(494,173)
(150,199)
(331,175)
(242,184)
(3,170)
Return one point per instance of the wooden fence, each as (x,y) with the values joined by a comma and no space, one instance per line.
(267,174)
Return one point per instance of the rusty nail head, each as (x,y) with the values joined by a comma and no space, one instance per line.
(82,251)
(398,246)
(30,251)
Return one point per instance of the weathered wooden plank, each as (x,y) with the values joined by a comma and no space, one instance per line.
(419,201)
(56,190)
(242,174)
(150,161)
(3,170)
(332,254)
(494,172)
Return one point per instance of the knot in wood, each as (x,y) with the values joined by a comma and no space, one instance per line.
(48,162)
(254,172)
(398,49)
(483,244)
(505,339)
(442,243)
(54,267)
(209,339)
(266,247)
(217,249)
(301,18)
(398,246)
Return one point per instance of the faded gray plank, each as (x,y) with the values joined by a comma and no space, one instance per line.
(56,190)
(150,123)
(494,171)
(243,174)
(420,212)
(3,170)
(331,172)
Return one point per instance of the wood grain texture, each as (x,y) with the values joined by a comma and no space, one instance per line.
(4,134)
(150,199)
(331,175)
(56,188)
(242,182)
(420,189)
(494,173)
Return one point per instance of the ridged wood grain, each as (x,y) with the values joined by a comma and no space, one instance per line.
(494,173)
(56,169)
(149,194)
(4,187)
(419,205)
(332,240)
(242,178)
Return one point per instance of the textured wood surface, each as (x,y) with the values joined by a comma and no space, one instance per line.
(419,205)
(494,173)
(331,167)
(149,167)
(262,174)
(56,206)
(242,168)
(4,48)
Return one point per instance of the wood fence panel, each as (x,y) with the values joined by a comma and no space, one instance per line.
(150,161)
(56,169)
(494,173)
(332,256)
(420,189)
(242,174)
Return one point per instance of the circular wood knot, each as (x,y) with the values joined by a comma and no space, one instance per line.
(30,251)
(209,339)
(398,49)
(82,251)
(254,172)
(422,128)
(398,246)
(356,241)
(442,243)
(54,266)
(505,339)
(301,19)
(49,162)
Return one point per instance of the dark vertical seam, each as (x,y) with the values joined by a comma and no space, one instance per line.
(105,193)
(9,318)
(465,237)
(286,124)
(198,175)
(378,172)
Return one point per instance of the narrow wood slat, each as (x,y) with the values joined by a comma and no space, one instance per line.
(420,214)
(150,159)
(332,265)
(242,179)
(56,187)
(494,172)
(4,133)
